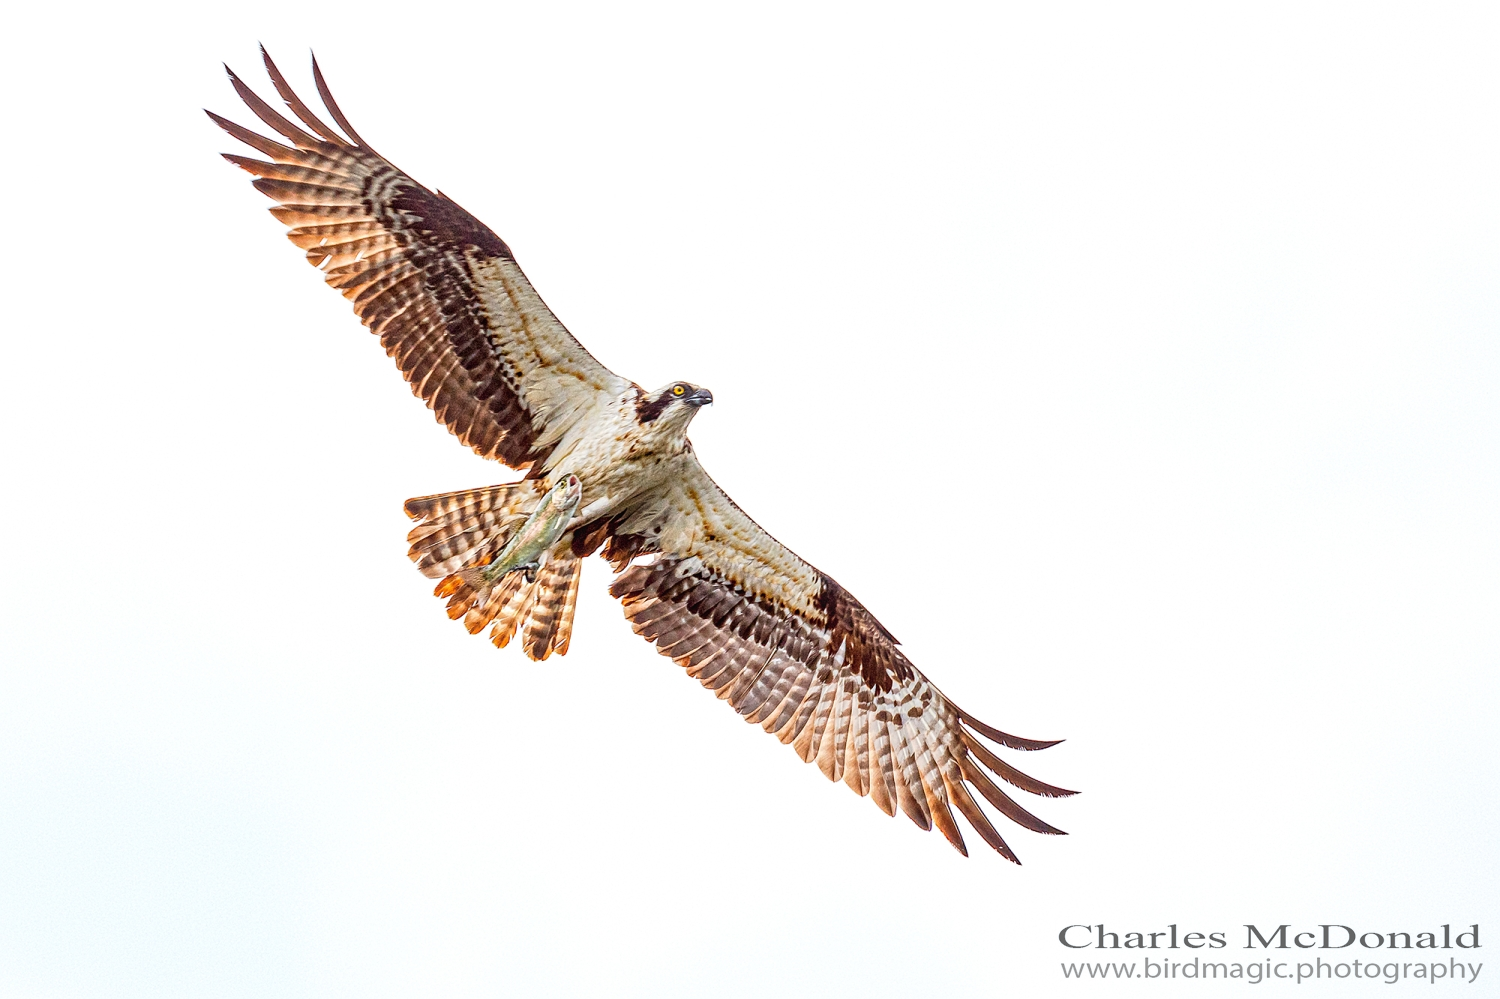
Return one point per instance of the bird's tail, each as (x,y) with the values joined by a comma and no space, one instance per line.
(461,533)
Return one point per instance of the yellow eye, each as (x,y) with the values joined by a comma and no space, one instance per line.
(678,389)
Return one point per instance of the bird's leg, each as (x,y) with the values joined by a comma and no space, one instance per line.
(593,511)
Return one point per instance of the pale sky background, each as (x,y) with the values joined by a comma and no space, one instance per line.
(1136,364)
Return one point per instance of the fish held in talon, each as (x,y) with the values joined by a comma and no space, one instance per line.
(530,545)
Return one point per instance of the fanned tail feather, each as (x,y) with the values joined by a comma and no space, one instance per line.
(462,532)
(548,626)
(468,527)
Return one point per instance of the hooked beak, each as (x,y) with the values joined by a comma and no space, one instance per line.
(702,397)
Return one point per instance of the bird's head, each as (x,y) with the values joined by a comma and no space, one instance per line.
(673,405)
(566,494)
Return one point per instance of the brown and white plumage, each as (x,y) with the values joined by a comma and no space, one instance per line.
(785,645)
(468,528)
(430,280)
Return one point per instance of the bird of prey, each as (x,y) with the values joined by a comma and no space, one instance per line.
(788,648)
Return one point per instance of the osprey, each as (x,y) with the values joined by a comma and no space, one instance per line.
(785,645)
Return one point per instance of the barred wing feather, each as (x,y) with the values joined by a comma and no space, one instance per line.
(797,654)
(443,292)
(785,645)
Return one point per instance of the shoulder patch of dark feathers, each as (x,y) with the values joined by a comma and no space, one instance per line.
(444,221)
(437,234)
(872,650)
(707,597)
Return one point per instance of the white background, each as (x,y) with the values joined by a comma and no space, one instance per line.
(1138,368)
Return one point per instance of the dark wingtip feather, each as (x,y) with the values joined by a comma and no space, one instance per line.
(976,818)
(1010,774)
(333,108)
(1005,738)
(268,114)
(301,110)
(1002,801)
(270,147)
(942,817)
(243,162)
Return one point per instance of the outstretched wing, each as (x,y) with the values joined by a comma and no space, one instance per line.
(442,291)
(797,654)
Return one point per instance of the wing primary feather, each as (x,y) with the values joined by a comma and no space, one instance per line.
(949,828)
(287,192)
(1004,738)
(268,114)
(333,109)
(254,140)
(1003,801)
(295,103)
(1009,773)
(291,171)
(942,815)
(976,818)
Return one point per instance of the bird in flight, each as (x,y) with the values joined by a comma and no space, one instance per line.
(609,469)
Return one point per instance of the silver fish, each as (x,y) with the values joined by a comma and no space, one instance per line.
(524,551)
